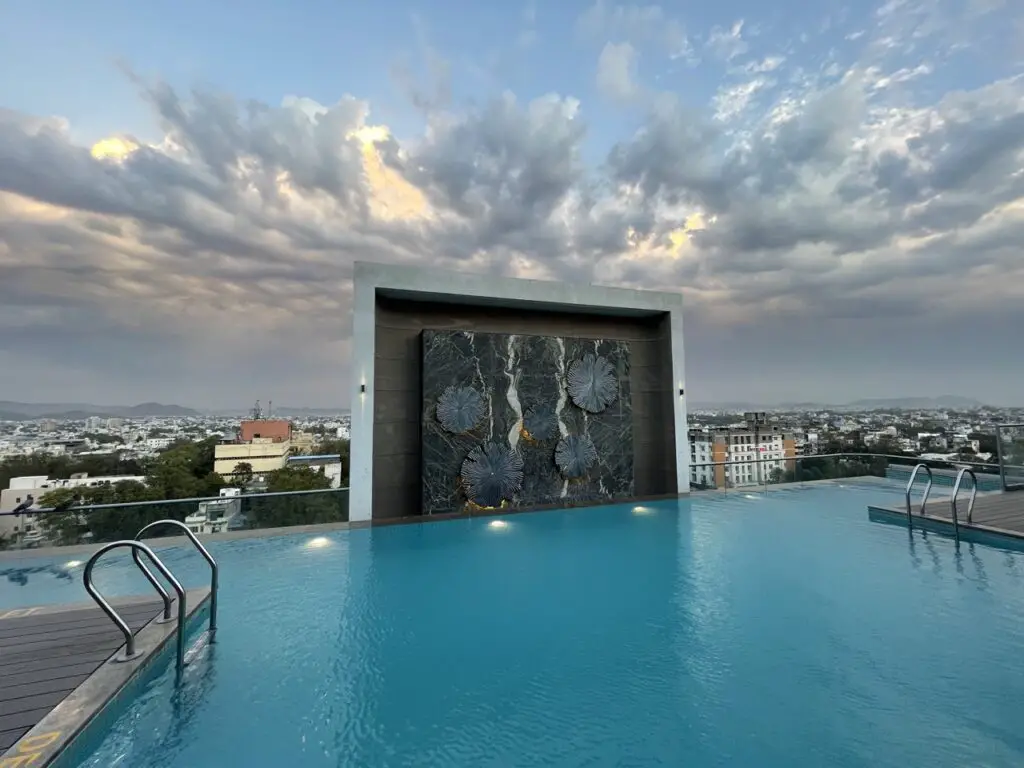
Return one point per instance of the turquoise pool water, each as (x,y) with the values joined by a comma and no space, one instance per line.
(742,630)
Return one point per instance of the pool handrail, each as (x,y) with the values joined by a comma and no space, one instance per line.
(970,504)
(214,568)
(130,651)
(927,490)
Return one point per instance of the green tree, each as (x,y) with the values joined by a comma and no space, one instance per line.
(297,479)
(328,506)
(183,470)
(888,445)
(341,447)
(242,474)
(61,527)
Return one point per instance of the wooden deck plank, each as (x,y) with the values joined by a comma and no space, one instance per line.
(24,719)
(45,701)
(50,665)
(93,640)
(43,658)
(34,637)
(7,738)
(76,617)
(30,685)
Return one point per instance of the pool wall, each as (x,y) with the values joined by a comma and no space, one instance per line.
(394,305)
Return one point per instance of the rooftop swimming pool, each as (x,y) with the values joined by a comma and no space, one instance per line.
(727,630)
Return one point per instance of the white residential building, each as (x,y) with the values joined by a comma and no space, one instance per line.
(741,448)
(38,486)
(217,515)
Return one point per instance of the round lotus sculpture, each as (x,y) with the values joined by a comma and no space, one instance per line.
(492,473)
(574,455)
(540,422)
(592,384)
(459,409)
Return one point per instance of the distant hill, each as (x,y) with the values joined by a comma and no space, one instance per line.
(951,402)
(279,412)
(12,411)
(299,412)
(954,402)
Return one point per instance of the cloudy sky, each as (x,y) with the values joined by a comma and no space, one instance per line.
(836,188)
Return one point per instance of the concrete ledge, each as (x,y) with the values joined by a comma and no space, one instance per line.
(113,682)
(974,533)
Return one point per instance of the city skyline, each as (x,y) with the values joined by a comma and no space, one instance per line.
(838,197)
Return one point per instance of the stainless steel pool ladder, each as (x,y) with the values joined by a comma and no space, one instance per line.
(214,570)
(910,487)
(138,547)
(970,504)
(130,652)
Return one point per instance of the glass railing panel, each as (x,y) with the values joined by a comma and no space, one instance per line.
(96,524)
(1010,440)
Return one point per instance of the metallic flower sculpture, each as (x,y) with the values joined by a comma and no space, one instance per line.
(592,384)
(492,473)
(540,421)
(459,409)
(575,454)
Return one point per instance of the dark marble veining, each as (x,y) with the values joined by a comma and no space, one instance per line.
(522,381)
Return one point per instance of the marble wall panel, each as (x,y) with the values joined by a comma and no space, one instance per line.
(496,408)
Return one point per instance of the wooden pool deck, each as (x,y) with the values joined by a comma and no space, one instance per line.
(996,513)
(47,653)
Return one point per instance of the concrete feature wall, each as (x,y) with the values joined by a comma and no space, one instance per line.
(394,305)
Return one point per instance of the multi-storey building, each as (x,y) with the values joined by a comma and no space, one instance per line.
(755,455)
(263,454)
(218,515)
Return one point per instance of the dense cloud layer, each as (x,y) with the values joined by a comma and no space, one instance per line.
(803,217)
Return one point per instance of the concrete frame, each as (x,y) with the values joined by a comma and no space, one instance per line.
(372,279)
